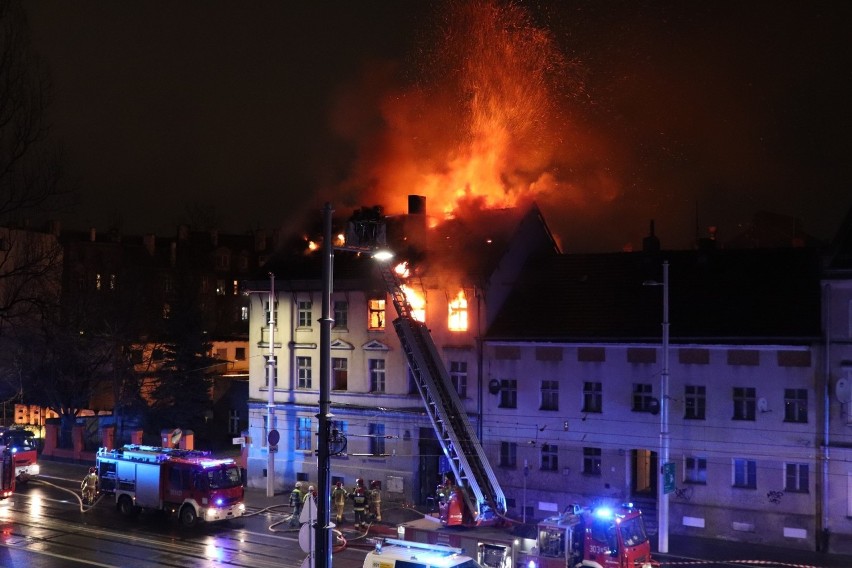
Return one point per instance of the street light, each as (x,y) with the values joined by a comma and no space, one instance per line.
(662,496)
(323,526)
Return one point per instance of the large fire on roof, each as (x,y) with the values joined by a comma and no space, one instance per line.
(484,125)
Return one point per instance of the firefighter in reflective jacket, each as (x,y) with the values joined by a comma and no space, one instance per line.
(338,497)
(359,506)
(296,501)
(376,500)
(89,486)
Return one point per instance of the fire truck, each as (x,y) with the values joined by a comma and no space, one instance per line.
(600,537)
(188,483)
(7,473)
(22,443)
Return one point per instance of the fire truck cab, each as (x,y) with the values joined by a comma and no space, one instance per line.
(22,443)
(189,483)
(602,537)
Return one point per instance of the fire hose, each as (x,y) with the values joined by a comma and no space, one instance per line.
(83,507)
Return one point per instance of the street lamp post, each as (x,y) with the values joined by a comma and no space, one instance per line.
(663,496)
(323,526)
(270,384)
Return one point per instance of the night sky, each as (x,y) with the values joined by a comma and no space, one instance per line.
(250,114)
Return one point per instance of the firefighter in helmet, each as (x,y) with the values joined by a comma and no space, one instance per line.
(311,494)
(338,497)
(89,486)
(376,500)
(296,500)
(359,505)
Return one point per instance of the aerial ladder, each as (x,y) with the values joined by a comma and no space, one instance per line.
(482,494)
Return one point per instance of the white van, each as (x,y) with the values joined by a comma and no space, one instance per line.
(395,553)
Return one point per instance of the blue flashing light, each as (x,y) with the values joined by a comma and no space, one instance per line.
(219,502)
(604,512)
(531,564)
(14,450)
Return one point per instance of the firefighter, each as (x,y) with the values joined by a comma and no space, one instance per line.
(376,500)
(89,486)
(338,496)
(296,501)
(311,494)
(359,506)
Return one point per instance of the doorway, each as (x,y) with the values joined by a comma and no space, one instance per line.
(643,473)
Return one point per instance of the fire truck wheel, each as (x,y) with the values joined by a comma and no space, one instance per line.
(125,506)
(188,517)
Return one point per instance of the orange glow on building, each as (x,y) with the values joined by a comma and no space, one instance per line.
(457,319)
(402,270)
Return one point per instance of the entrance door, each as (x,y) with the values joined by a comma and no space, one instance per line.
(644,473)
(429,472)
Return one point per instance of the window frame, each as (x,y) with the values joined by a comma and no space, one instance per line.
(694,402)
(745,403)
(744,473)
(549,395)
(508,457)
(797,477)
(592,397)
(695,470)
(377,371)
(458,376)
(549,457)
(592,461)
(796,406)
(642,397)
(508,393)
(303,434)
(304,372)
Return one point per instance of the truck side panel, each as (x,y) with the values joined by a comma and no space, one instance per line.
(148,485)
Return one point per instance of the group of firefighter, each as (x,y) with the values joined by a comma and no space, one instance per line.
(366,503)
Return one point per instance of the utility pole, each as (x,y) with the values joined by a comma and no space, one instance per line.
(663,518)
(323,523)
(270,385)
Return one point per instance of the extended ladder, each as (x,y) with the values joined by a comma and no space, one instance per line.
(471,468)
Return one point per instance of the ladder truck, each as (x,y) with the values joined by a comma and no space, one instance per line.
(475,497)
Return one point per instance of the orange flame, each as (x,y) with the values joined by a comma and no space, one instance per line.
(457,319)
(417,301)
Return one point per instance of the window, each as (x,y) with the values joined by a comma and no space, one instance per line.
(341,314)
(377,375)
(220,287)
(795,405)
(642,399)
(745,473)
(592,461)
(240,354)
(113,281)
(236,287)
(549,395)
(508,454)
(695,402)
(695,470)
(98,282)
(457,319)
(377,439)
(549,457)
(376,313)
(234,421)
(303,434)
(796,478)
(340,373)
(168,284)
(508,393)
(268,314)
(244,313)
(338,429)
(305,375)
(744,403)
(458,375)
(266,369)
(305,319)
(592,397)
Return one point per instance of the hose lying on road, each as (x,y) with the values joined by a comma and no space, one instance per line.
(83,507)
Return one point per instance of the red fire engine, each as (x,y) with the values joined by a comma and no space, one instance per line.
(603,537)
(22,443)
(189,483)
(7,474)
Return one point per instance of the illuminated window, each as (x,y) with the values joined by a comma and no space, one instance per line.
(592,397)
(98,283)
(376,314)
(744,403)
(303,365)
(220,287)
(457,320)
(305,316)
(244,313)
(458,375)
(592,461)
(642,399)
(377,375)
(549,457)
(303,434)
(340,373)
(236,285)
(695,402)
(113,281)
(695,470)
(416,301)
